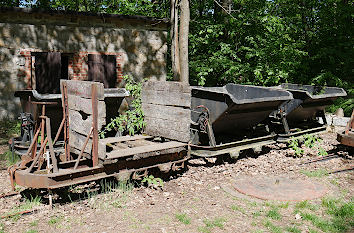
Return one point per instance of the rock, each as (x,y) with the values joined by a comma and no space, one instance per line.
(339,112)
(340,121)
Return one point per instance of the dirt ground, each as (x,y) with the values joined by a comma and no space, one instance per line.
(200,199)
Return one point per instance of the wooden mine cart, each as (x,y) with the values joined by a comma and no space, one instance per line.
(85,156)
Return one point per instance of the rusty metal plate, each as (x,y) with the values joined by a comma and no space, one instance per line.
(280,188)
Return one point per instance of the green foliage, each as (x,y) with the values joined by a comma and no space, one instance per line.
(293,229)
(9,128)
(341,214)
(309,141)
(294,144)
(154,181)
(272,228)
(132,121)
(210,224)
(315,173)
(183,218)
(274,214)
(7,157)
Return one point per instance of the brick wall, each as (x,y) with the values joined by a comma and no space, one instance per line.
(77,67)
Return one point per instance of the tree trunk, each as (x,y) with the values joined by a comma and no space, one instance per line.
(183,41)
(174,41)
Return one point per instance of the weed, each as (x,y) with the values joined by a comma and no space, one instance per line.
(9,128)
(183,218)
(258,231)
(132,121)
(305,205)
(34,223)
(272,228)
(312,231)
(311,141)
(322,152)
(238,208)
(28,204)
(2,228)
(152,181)
(32,231)
(293,229)
(217,222)
(210,224)
(315,173)
(274,214)
(55,220)
(257,213)
(9,158)
(284,205)
(204,229)
(294,144)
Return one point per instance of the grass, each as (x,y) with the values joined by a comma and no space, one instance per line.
(238,209)
(272,228)
(7,156)
(31,231)
(306,205)
(34,223)
(316,173)
(55,220)
(28,204)
(274,214)
(9,128)
(183,218)
(293,229)
(340,216)
(2,228)
(210,224)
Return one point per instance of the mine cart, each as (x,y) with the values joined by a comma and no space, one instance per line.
(347,137)
(232,118)
(299,115)
(36,106)
(85,157)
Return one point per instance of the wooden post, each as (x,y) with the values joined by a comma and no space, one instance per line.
(183,41)
(174,41)
(94,126)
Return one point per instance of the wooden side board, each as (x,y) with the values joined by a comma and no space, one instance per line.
(84,89)
(166,106)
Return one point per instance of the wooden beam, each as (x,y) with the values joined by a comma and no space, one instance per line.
(144,149)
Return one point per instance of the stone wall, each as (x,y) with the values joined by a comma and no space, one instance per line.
(139,44)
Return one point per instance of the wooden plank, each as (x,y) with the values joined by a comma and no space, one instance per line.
(164,97)
(166,86)
(84,88)
(77,140)
(119,146)
(167,112)
(82,104)
(78,124)
(123,138)
(140,142)
(174,134)
(144,149)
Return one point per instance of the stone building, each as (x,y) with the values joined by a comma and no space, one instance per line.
(38,48)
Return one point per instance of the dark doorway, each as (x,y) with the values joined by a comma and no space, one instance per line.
(102,68)
(50,67)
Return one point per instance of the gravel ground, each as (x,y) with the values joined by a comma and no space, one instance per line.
(201,199)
